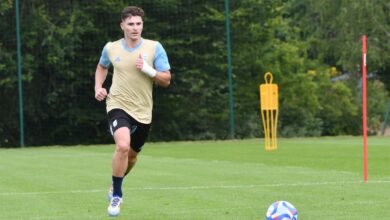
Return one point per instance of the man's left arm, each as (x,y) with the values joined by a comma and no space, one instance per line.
(161,73)
(163,78)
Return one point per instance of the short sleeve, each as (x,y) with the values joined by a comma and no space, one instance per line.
(161,62)
(104,59)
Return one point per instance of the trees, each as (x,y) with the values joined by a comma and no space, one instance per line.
(8,76)
(304,43)
(333,31)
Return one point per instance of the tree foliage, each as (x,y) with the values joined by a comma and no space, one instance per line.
(313,49)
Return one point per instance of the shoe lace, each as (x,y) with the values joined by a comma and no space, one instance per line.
(115,201)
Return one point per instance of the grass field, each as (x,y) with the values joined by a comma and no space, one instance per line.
(322,177)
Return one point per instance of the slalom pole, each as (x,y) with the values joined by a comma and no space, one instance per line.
(364,106)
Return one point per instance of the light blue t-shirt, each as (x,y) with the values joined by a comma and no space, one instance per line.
(160,61)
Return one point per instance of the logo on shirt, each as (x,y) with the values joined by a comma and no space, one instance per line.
(145,56)
(117,59)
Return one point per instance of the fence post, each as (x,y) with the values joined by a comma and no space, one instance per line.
(19,60)
(229,60)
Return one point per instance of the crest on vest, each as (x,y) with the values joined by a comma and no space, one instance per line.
(145,56)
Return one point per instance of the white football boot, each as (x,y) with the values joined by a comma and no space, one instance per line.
(114,208)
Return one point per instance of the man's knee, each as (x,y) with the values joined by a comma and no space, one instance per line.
(122,147)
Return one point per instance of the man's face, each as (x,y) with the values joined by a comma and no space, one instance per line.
(132,27)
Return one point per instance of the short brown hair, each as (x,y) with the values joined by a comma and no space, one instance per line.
(130,11)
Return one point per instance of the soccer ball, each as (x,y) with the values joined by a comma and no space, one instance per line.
(281,210)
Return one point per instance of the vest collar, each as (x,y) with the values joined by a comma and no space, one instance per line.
(131,49)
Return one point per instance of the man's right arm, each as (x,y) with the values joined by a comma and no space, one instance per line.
(100,77)
(101,74)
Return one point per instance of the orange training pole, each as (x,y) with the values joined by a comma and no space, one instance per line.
(364,95)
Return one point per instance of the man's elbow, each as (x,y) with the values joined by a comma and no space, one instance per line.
(166,80)
(166,83)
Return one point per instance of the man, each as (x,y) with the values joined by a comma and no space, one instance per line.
(137,64)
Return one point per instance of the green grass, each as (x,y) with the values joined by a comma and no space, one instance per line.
(321,177)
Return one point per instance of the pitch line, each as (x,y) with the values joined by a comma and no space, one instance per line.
(198,187)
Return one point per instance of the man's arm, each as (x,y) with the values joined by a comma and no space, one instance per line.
(163,78)
(100,77)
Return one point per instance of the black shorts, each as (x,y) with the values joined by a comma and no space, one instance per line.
(118,118)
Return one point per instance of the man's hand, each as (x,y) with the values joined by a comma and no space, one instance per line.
(144,67)
(100,94)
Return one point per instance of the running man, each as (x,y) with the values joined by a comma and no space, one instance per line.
(137,63)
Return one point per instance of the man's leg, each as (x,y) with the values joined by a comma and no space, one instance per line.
(131,160)
(119,165)
(120,158)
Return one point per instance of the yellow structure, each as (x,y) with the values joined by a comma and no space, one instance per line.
(269,111)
